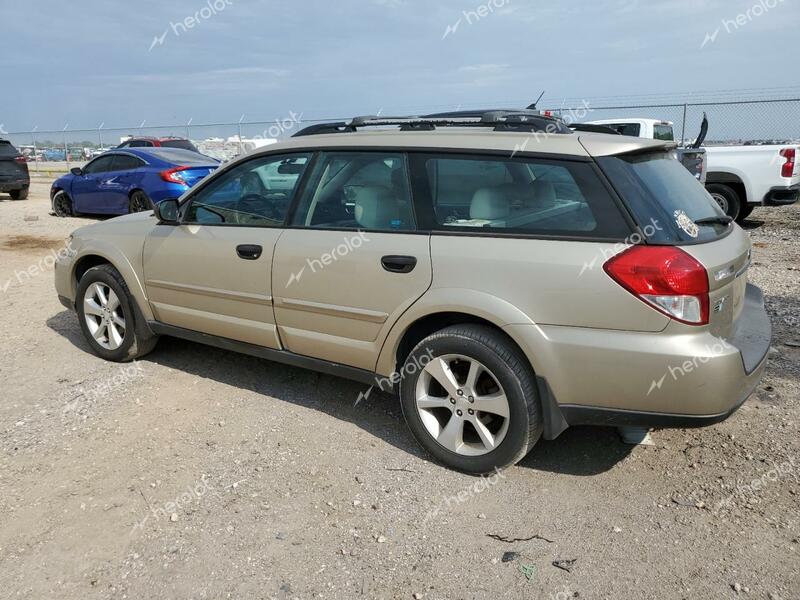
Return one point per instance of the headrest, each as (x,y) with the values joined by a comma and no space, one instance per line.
(489,204)
(376,207)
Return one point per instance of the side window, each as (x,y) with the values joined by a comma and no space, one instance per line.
(358,190)
(139,144)
(257,192)
(527,196)
(100,165)
(124,162)
(663,132)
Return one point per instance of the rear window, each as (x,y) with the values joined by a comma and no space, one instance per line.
(6,149)
(663,132)
(631,129)
(665,198)
(183,157)
(519,196)
(183,144)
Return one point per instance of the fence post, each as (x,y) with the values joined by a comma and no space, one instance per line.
(683,126)
(35,157)
(66,148)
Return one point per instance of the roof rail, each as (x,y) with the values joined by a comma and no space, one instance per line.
(500,120)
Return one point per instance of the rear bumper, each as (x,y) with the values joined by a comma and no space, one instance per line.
(614,378)
(9,185)
(782,195)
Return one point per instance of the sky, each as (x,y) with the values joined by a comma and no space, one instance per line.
(88,62)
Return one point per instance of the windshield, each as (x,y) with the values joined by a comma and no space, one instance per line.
(664,198)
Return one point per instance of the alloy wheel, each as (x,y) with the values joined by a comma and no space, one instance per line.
(104,316)
(462,405)
(721,200)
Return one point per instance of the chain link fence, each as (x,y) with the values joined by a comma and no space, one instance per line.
(730,122)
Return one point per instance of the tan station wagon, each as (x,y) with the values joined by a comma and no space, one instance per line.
(506,276)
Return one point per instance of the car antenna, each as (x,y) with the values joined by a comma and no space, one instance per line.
(533,106)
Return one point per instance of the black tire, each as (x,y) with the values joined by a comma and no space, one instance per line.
(745,212)
(139,202)
(512,371)
(726,197)
(134,343)
(19,194)
(62,205)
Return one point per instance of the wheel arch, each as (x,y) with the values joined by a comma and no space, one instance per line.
(435,311)
(733,180)
(99,256)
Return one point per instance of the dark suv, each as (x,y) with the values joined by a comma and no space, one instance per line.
(156,142)
(14,177)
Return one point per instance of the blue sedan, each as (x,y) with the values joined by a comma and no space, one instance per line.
(128,180)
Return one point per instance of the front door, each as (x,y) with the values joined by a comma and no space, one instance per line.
(352,262)
(212,272)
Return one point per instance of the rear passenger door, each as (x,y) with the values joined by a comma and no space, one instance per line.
(116,185)
(353,259)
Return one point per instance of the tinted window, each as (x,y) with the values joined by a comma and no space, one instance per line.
(663,132)
(100,165)
(6,149)
(530,196)
(257,192)
(183,157)
(664,197)
(124,162)
(358,190)
(139,144)
(631,129)
(184,144)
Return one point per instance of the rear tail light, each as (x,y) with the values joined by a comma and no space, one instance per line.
(788,167)
(174,175)
(21,160)
(666,278)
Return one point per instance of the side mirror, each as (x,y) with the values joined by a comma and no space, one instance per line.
(76,171)
(166,211)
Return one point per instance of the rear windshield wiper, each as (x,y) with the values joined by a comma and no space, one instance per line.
(722,220)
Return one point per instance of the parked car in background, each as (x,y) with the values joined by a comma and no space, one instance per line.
(497,290)
(128,181)
(692,157)
(739,178)
(743,177)
(158,142)
(14,176)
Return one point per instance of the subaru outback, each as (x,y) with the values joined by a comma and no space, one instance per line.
(505,276)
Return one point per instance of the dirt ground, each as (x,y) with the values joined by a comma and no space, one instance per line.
(199,473)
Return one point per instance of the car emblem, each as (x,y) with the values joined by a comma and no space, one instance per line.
(685,223)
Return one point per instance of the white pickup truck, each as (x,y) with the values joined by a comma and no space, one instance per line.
(739,178)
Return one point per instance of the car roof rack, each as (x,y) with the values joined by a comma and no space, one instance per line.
(499,120)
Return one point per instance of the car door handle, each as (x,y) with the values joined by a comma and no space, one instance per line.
(249,251)
(399,264)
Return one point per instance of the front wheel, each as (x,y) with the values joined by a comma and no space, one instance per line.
(469,397)
(107,317)
(726,197)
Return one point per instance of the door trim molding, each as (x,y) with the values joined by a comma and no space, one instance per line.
(347,312)
(213,292)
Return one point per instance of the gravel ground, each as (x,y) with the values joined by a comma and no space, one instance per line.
(199,473)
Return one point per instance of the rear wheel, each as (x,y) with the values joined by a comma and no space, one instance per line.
(726,197)
(19,194)
(139,202)
(469,397)
(107,317)
(62,205)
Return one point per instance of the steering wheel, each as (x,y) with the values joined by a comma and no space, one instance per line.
(256,205)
